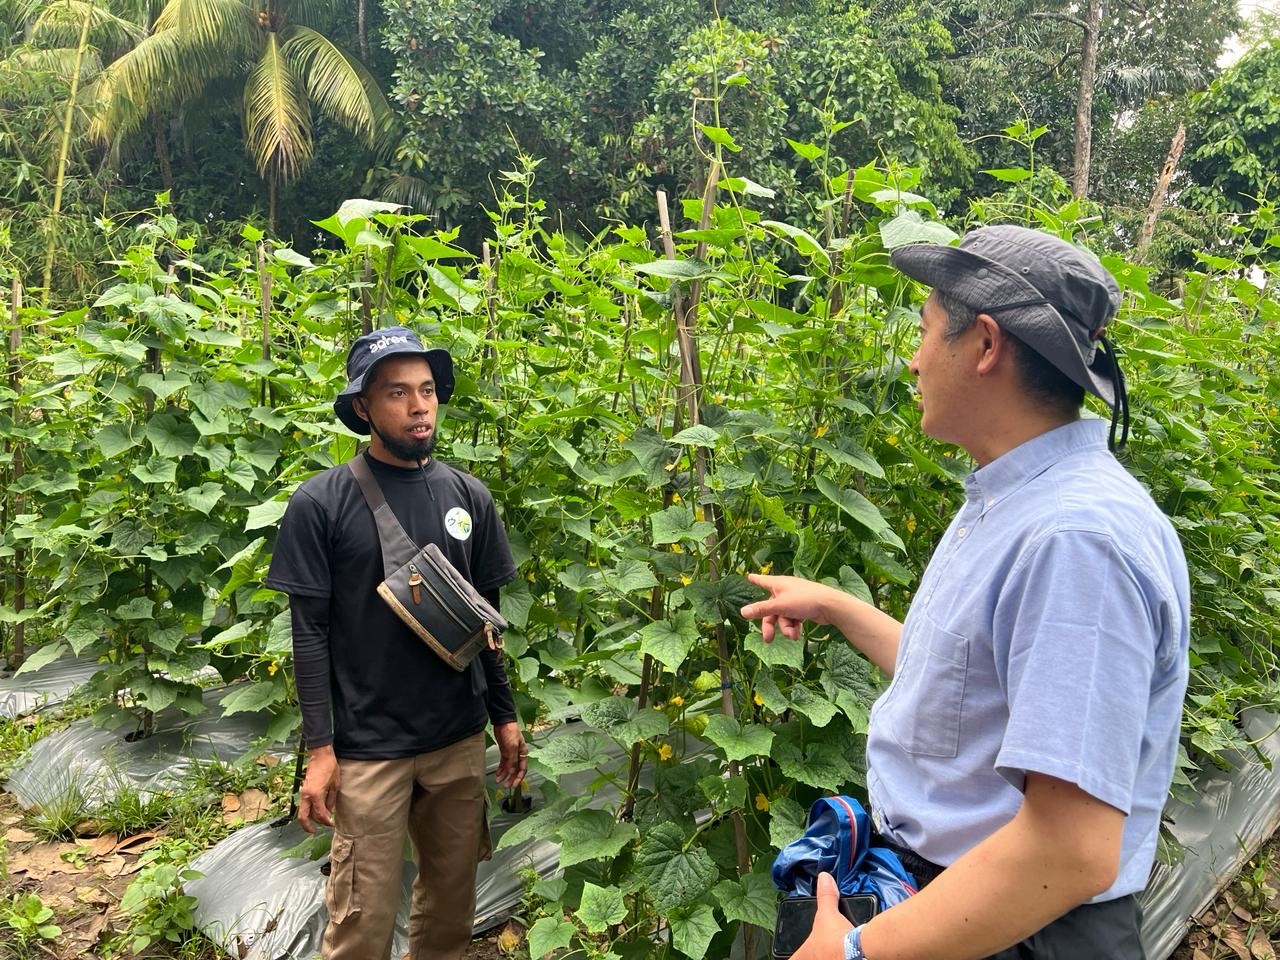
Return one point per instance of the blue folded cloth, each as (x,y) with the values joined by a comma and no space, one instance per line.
(838,841)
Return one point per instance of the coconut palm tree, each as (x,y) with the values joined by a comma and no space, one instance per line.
(272,54)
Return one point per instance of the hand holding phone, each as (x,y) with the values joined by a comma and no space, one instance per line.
(795,919)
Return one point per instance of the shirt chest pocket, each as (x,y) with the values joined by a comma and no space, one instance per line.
(929,696)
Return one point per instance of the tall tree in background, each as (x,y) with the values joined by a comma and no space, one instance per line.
(276,58)
(1048,62)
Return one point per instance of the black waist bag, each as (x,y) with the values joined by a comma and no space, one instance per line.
(425,590)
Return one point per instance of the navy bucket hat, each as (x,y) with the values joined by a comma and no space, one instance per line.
(1053,296)
(371,349)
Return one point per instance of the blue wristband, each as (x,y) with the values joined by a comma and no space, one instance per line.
(853,945)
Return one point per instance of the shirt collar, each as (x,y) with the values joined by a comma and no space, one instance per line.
(1005,474)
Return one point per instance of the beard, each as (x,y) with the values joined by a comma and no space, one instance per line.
(415,450)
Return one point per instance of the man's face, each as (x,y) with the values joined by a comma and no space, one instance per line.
(400,406)
(942,379)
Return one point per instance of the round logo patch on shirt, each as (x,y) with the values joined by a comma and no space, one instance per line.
(458,523)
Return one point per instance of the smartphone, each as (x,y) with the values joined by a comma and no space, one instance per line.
(795,919)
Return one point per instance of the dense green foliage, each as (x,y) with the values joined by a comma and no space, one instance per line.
(162,431)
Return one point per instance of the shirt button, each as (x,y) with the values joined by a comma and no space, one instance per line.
(991,503)
(961,532)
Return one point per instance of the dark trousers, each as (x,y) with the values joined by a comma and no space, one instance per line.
(1092,931)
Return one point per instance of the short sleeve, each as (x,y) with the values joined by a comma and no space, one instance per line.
(1075,641)
(300,561)
(492,565)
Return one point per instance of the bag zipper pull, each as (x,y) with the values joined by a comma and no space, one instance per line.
(495,639)
(415,585)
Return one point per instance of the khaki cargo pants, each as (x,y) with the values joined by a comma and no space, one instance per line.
(438,799)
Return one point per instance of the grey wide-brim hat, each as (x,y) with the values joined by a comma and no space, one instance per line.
(371,349)
(1050,294)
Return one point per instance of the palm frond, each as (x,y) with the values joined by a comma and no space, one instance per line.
(58,25)
(277,116)
(339,85)
(160,73)
(413,192)
(1131,84)
(225,28)
(38,75)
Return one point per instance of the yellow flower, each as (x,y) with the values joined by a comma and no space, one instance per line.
(767,567)
(686,579)
(676,548)
(911,524)
(676,498)
(677,701)
(271,670)
(821,431)
(622,436)
(892,440)
(762,802)
(756,698)
(664,752)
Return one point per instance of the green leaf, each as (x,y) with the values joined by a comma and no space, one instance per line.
(47,654)
(818,709)
(517,600)
(781,652)
(803,240)
(1009,174)
(821,762)
(601,907)
(676,523)
(265,514)
(748,187)
(808,151)
(624,720)
(212,397)
(550,933)
(156,470)
(592,835)
(859,508)
(909,227)
(684,271)
(849,454)
(629,576)
(114,439)
(252,697)
(674,876)
(571,753)
(699,435)
(787,821)
(692,930)
(262,452)
(753,899)
(771,698)
(669,641)
(138,608)
(736,740)
(170,436)
(204,497)
(719,136)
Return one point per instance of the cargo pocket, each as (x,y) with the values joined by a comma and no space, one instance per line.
(486,835)
(340,891)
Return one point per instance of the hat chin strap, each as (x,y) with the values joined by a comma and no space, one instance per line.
(1120,410)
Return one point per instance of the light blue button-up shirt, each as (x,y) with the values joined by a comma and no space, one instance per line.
(1049,634)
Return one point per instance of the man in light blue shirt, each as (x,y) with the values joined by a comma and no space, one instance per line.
(1020,758)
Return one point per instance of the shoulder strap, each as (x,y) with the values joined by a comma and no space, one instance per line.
(397,548)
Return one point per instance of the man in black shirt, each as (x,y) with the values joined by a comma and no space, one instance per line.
(395,736)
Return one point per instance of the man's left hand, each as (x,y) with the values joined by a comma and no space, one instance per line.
(513,754)
(826,940)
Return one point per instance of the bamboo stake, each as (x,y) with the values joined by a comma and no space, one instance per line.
(19,553)
(691,389)
(264,284)
(51,245)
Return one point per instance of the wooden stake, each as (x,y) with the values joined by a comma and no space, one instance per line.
(264,284)
(19,553)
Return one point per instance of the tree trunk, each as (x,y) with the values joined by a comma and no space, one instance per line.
(360,29)
(1162,189)
(1084,102)
(272,190)
(162,152)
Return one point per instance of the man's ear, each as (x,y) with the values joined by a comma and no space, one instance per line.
(995,344)
(360,407)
